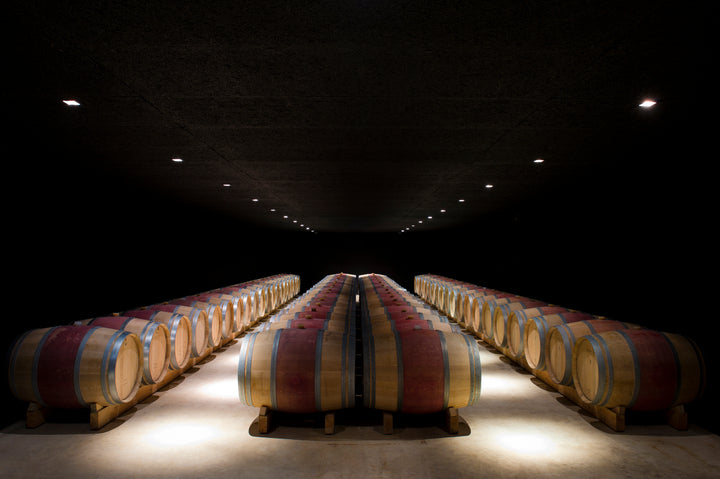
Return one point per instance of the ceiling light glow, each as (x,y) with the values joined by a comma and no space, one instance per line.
(442,211)
(647,104)
(177,160)
(71,102)
(226,184)
(461,201)
(538,160)
(488,186)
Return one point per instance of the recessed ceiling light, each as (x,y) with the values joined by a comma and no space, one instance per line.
(272,209)
(538,160)
(177,160)
(488,186)
(419,221)
(255,200)
(285,216)
(461,201)
(294,221)
(226,184)
(442,211)
(429,217)
(647,104)
(71,102)
(307,228)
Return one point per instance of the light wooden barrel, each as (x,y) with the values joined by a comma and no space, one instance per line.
(246,304)
(561,340)
(297,370)
(476,315)
(313,323)
(488,312)
(180,333)
(536,332)
(202,336)
(155,339)
(501,313)
(235,302)
(217,322)
(377,327)
(228,305)
(515,329)
(640,369)
(420,371)
(71,367)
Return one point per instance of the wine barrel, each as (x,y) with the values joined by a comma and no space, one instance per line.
(536,331)
(155,339)
(71,367)
(377,327)
(488,312)
(420,371)
(228,306)
(236,304)
(561,339)
(314,323)
(640,369)
(501,313)
(515,328)
(202,334)
(297,370)
(215,317)
(477,316)
(180,328)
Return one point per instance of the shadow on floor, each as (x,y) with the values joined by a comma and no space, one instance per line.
(358,424)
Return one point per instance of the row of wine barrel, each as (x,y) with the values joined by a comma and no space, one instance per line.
(414,360)
(609,363)
(104,360)
(302,359)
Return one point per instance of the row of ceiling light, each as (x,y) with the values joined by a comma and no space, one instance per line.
(75,103)
(646,104)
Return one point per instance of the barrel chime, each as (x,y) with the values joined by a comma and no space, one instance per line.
(109,363)
(604,366)
(302,359)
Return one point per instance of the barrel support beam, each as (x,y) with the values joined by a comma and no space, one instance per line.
(36,415)
(330,422)
(264,419)
(387,422)
(452,420)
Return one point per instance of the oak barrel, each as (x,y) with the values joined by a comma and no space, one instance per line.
(640,369)
(155,339)
(297,370)
(500,315)
(420,371)
(536,332)
(180,333)
(202,335)
(71,367)
(561,339)
(515,328)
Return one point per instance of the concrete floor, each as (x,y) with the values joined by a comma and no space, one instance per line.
(196,427)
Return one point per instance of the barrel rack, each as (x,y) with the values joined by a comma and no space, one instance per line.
(266,416)
(37,414)
(614,418)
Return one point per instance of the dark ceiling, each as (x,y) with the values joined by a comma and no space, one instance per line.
(348,116)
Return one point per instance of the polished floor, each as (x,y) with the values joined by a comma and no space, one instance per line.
(196,427)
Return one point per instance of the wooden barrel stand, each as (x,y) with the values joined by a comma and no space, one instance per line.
(100,416)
